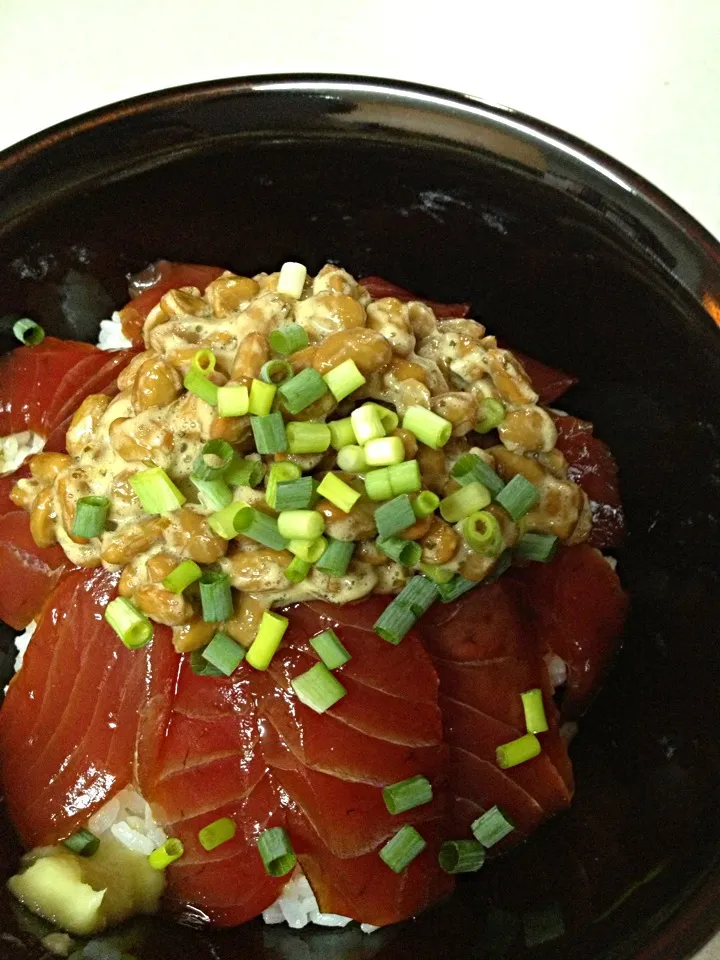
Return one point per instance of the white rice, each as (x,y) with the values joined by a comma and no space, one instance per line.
(298,907)
(22,641)
(111,334)
(16,448)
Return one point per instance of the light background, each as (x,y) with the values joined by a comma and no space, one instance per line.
(638,78)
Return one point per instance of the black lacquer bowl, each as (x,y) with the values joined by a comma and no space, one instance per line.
(570,257)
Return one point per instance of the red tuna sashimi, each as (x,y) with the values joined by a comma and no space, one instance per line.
(550,384)
(42,387)
(579,609)
(593,467)
(148,287)
(30,572)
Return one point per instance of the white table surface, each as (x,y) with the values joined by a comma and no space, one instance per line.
(638,78)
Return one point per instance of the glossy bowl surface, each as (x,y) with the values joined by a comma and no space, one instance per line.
(567,255)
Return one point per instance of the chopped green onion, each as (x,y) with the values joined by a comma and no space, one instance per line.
(318,689)
(233,401)
(543,925)
(438,574)
(405,477)
(276,852)
(269,433)
(279,473)
(259,527)
(214,494)
(298,494)
(428,427)
(182,576)
(406,552)
(203,362)
(288,339)
(308,437)
(536,546)
(394,622)
(388,418)
(394,516)
(297,570)
(503,562)
(425,503)
(156,491)
(308,550)
(132,626)
(455,588)
(216,833)
(366,423)
(28,332)
(483,534)
(336,558)
(301,524)
(418,595)
(461,856)
(384,451)
(377,484)
(399,852)
(200,666)
(328,647)
(244,472)
(223,522)
(215,596)
(303,389)
(224,654)
(517,751)
(471,467)
(464,501)
(344,379)
(534,708)
(291,281)
(261,398)
(352,459)
(276,371)
(90,516)
(267,640)
(199,384)
(492,827)
(214,459)
(338,492)
(341,433)
(491,414)
(408,794)
(518,497)
(82,842)
(168,853)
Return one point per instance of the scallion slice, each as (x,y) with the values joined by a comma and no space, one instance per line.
(291,281)
(168,853)
(418,595)
(534,709)
(336,558)
(518,497)
(518,751)
(197,379)
(90,517)
(298,494)
(407,794)
(279,473)
(377,484)
(259,527)
(483,534)
(437,573)
(303,389)
(303,437)
(406,552)
(318,689)
(301,524)
(204,361)
(328,647)
(366,423)
(156,491)
(308,550)
(215,596)
(492,827)
(425,503)
(297,570)
(267,640)
(384,451)
(261,398)
(288,339)
(429,428)
(536,546)
(276,371)
(224,653)
(504,561)
(455,588)
(399,852)
(82,842)
(405,477)
(491,413)
(244,472)
(394,622)
(213,460)
(28,332)
(200,666)
(395,516)
(233,400)
(388,418)
(352,459)
(223,522)
(132,626)
(217,833)
(182,576)
(214,494)
(276,852)
(338,492)
(461,856)
(269,433)
(344,379)
(460,504)
(470,468)
(341,433)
